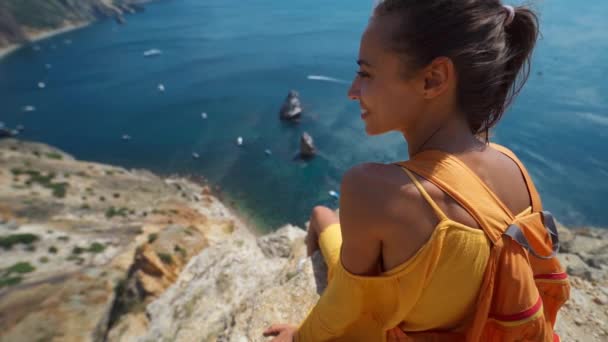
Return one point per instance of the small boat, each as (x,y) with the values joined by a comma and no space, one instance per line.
(334,194)
(268,152)
(29,108)
(152,53)
(161,87)
(204,115)
(41,85)
(239,141)
(126,137)
(195,155)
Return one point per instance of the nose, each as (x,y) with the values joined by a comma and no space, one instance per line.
(354,93)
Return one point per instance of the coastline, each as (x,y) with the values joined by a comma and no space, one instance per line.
(37,36)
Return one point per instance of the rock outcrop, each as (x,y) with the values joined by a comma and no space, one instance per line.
(164,260)
(291,108)
(84,244)
(307,146)
(22,20)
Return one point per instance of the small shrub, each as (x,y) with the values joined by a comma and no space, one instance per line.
(116,195)
(180,250)
(111,212)
(53,250)
(77,250)
(102,199)
(96,247)
(63,238)
(7,241)
(43,260)
(152,237)
(54,155)
(79,260)
(21,268)
(85,206)
(165,258)
(9,281)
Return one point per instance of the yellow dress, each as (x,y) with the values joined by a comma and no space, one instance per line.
(435,290)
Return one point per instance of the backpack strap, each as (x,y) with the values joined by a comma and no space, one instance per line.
(456,179)
(534,197)
(516,233)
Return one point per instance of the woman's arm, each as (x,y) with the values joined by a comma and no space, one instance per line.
(344,299)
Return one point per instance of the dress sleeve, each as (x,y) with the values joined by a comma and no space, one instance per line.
(340,305)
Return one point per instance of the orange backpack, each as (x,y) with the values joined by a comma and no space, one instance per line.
(524,284)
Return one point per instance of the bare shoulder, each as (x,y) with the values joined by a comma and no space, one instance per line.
(380,195)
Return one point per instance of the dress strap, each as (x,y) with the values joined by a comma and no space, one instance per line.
(442,216)
(534,197)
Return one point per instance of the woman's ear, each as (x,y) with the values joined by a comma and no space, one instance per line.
(438,77)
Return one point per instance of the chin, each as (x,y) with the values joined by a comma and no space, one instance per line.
(371,130)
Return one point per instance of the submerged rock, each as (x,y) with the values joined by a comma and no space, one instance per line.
(307,146)
(291,108)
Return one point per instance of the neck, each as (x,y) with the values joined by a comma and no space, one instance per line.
(452,136)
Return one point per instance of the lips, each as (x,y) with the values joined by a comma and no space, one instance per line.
(364,113)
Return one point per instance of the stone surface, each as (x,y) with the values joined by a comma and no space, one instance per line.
(222,283)
(291,108)
(307,146)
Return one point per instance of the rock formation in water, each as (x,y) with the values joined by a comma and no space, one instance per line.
(307,146)
(20,20)
(291,108)
(93,252)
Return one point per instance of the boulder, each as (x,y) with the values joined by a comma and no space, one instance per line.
(291,108)
(307,146)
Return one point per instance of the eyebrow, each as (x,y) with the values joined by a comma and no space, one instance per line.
(363,62)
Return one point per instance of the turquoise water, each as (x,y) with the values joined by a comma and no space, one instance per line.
(236,61)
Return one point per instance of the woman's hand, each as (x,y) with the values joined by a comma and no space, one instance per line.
(396,335)
(282,332)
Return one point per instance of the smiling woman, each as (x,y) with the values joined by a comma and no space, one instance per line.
(419,251)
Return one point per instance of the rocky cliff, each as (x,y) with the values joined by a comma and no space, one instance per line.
(92,252)
(21,20)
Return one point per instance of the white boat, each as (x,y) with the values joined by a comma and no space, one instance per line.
(126,137)
(195,155)
(161,87)
(239,141)
(334,194)
(41,85)
(204,115)
(29,108)
(152,52)
(268,152)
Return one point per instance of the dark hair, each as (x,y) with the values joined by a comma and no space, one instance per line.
(491,56)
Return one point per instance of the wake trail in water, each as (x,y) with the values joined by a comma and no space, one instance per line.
(326,79)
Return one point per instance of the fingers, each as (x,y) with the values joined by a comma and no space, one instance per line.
(274,329)
(396,335)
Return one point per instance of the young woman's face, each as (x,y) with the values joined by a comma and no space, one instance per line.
(389,101)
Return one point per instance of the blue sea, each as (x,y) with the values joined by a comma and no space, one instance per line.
(236,61)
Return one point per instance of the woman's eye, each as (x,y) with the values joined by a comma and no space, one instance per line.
(362,74)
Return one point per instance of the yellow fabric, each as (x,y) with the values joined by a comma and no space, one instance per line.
(436,289)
